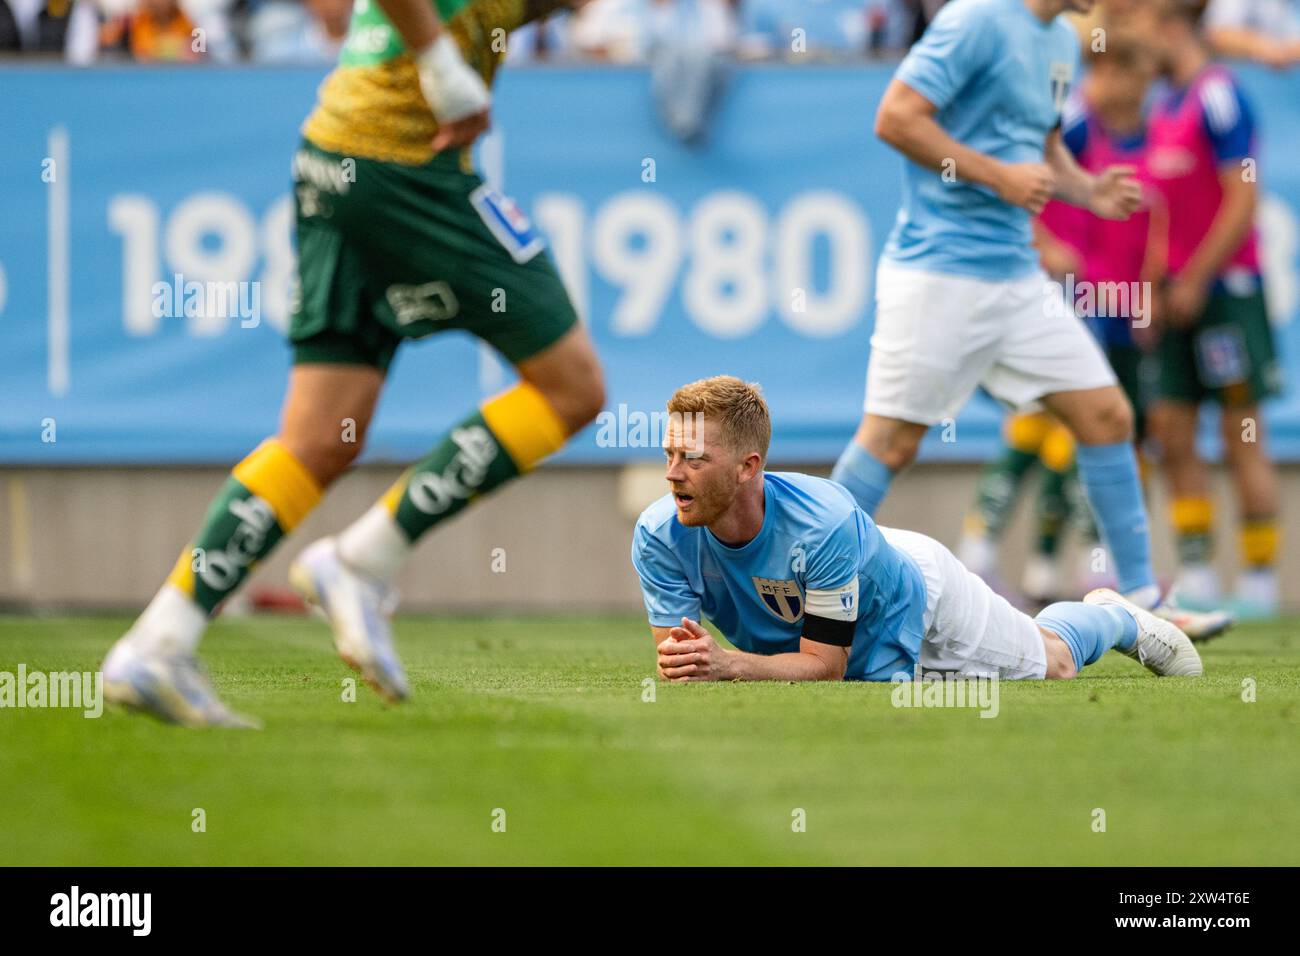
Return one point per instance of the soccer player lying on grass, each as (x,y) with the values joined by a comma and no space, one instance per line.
(808,587)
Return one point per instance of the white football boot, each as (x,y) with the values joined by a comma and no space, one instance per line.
(1197,625)
(358,608)
(172,687)
(1160,647)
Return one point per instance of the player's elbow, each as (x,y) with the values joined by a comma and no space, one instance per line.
(832,662)
(892,122)
(886,128)
(835,669)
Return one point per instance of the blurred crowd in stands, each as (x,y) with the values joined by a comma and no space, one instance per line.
(312,31)
(305,32)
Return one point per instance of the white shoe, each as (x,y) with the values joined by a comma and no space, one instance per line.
(172,687)
(1197,625)
(358,608)
(1160,646)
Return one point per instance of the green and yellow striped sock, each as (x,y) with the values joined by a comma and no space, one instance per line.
(266,496)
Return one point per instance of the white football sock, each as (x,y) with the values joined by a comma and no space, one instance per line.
(978,553)
(171,624)
(1040,578)
(1146,597)
(1197,585)
(1258,588)
(375,544)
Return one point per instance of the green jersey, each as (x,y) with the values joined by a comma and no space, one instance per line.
(371,105)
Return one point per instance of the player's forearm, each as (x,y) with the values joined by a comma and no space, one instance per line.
(922,140)
(1235,42)
(794,666)
(1074,184)
(416,21)
(1231,226)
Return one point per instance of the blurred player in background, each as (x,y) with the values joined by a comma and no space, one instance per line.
(975,108)
(1107,266)
(1266,31)
(808,587)
(397,238)
(1216,342)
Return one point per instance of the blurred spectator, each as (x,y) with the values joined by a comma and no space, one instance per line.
(157,31)
(613,30)
(1266,31)
(167,31)
(66,27)
(907,20)
(819,29)
(690,45)
(547,39)
(299,31)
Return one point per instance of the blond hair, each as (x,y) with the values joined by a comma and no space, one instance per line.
(737,407)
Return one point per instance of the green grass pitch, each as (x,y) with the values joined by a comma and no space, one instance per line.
(544,718)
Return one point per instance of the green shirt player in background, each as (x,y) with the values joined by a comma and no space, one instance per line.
(397,238)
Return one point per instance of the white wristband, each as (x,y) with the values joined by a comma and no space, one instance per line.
(453,90)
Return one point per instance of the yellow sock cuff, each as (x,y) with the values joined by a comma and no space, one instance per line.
(974,524)
(1260,540)
(393,496)
(1057,451)
(1191,515)
(525,424)
(1025,432)
(273,474)
(182,574)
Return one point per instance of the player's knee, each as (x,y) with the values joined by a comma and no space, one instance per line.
(1175,436)
(327,456)
(581,397)
(895,449)
(1109,422)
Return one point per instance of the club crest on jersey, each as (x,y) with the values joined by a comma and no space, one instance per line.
(1060,74)
(782,598)
(507,222)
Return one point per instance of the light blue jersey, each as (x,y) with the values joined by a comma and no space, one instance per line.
(816,553)
(999,77)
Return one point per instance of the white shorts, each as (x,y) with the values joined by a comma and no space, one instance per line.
(939,336)
(969,629)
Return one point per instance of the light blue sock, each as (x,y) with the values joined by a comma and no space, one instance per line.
(866,477)
(1109,475)
(1089,630)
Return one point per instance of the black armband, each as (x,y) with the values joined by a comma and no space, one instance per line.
(824,630)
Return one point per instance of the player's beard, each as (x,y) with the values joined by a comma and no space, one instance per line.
(709,501)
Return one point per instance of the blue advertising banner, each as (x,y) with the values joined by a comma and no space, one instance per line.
(129,190)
